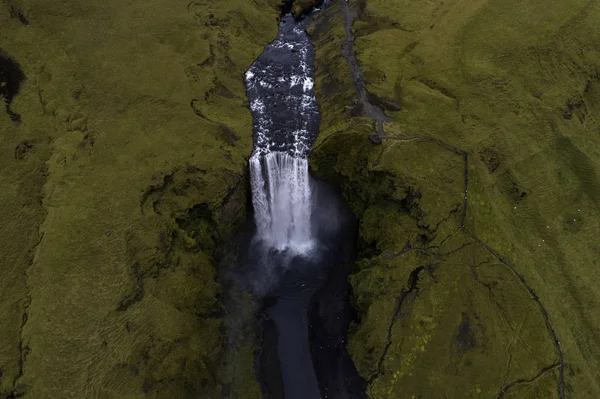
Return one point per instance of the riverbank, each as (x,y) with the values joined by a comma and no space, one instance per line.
(449,302)
(124,175)
(299,258)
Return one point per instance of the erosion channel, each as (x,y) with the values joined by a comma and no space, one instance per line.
(296,260)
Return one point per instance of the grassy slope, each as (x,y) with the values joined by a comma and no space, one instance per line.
(130,187)
(515,86)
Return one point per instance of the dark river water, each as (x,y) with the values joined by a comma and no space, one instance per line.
(301,251)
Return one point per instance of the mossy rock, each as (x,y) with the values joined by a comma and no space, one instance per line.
(124,176)
(500,233)
(303,7)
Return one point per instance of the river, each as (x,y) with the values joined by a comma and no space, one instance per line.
(299,258)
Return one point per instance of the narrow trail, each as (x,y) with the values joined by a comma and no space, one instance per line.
(377,114)
(367,108)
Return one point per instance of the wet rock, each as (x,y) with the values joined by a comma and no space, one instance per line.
(300,8)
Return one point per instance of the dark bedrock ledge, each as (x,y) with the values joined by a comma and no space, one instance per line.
(300,8)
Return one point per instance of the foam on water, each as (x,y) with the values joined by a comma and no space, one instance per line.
(286,119)
(282,201)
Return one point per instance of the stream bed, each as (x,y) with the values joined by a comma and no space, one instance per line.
(297,259)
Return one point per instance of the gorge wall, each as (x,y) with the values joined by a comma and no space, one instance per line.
(463,134)
(476,192)
(125,171)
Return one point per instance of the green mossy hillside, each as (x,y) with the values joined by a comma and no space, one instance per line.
(477,266)
(124,175)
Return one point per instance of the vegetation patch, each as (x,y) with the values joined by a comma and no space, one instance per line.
(468,186)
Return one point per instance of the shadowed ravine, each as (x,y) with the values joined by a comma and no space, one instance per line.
(299,258)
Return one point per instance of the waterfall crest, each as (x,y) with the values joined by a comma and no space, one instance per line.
(286,120)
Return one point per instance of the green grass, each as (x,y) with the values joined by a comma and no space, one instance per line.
(137,132)
(515,85)
(122,287)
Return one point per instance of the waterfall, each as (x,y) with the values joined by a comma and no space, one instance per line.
(286,119)
(282,201)
(300,251)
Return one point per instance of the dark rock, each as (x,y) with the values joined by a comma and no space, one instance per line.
(375,138)
(387,105)
(11,78)
(299,8)
(22,149)
(15,13)
(491,159)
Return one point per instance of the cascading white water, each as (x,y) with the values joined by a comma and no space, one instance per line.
(286,117)
(282,201)
(289,261)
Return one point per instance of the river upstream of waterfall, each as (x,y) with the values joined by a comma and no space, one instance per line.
(301,250)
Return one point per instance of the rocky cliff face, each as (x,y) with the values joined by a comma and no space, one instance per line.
(477,191)
(123,167)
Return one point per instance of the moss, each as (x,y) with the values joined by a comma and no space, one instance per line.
(495,84)
(130,162)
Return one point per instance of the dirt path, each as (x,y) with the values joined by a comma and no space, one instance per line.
(376,113)
(366,107)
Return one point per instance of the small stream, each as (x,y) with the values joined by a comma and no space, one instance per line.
(301,251)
